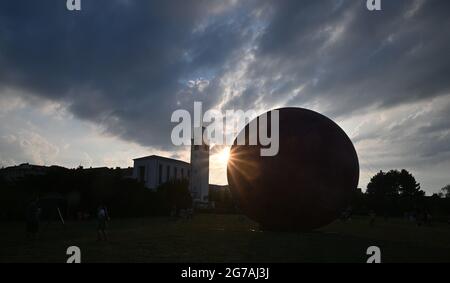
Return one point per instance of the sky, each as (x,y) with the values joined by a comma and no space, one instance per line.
(98,87)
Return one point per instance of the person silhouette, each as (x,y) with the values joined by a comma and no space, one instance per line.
(102,218)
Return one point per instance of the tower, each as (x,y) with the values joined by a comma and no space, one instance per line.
(199,179)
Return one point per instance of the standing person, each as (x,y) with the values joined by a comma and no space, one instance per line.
(32,218)
(102,217)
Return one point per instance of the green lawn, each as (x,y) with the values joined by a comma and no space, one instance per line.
(226,238)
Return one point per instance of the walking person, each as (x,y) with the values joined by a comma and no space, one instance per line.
(102,218)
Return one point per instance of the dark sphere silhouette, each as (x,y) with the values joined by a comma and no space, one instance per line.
(307,185)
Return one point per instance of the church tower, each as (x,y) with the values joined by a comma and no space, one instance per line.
(199,179)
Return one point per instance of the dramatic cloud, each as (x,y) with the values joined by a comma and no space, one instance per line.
(118,63)
(125,66)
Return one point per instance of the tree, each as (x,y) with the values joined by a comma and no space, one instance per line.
(175,194)
(394,192)
(408,185)
(445,191)
(394,183)
(382,185)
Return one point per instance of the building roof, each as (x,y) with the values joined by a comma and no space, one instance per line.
(161,158)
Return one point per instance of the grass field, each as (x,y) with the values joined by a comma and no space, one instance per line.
(227,238)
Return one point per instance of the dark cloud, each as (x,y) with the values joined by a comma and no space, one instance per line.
(118,63)
(351,58)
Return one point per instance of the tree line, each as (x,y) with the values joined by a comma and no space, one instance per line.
(396,193)
(74,191)
(81,191)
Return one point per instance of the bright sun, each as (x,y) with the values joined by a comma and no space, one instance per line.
(224,155)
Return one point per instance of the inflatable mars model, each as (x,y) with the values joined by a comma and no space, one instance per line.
(307,184)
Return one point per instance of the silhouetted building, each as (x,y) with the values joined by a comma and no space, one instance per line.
(199,182)
(154,170)
(16,172)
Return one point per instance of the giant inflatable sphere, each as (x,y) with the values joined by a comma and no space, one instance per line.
(307,185)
